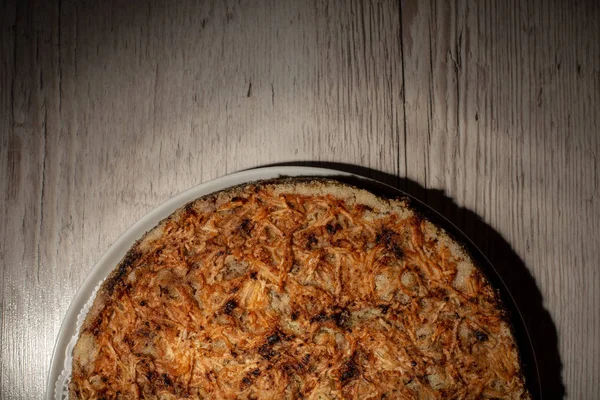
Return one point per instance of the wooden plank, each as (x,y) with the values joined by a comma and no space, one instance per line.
(26,78)
(500,110)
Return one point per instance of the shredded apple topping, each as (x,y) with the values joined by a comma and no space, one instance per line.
(296,290)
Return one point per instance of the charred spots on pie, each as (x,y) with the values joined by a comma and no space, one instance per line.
(340,316)
(293,368)
(350,370)
(166,379)
(165,291)
(129,341)
(332,228)
(96,325)
(151,376)
(440,293)
(321,317)
(274,338)
(145,332)
(250,377)
(230,305)
(384,308)
(246,226)
(390,240)
(481,336)
(384,236)
(266,350)
(158,252)
(117,280)
(294,316)
(246,381)
(189,210)
(311,241)
(306,359)
(240,200)
(295,266)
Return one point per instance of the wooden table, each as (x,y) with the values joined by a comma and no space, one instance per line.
(488,111)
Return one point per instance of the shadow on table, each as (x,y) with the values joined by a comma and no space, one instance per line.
(502,265)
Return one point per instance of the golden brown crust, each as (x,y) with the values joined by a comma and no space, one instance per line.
(296,289)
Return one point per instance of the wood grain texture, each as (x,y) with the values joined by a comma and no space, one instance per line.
(489,111)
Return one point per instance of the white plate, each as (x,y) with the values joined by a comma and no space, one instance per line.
(61,357)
